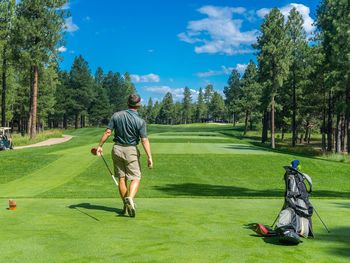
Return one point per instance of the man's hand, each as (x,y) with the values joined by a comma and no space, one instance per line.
(150,163)
(104,137)
(147,148)
(99,151)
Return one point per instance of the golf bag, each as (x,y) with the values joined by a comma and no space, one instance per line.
(295,218)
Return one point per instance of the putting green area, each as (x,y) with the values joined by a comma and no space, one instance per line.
(207,185)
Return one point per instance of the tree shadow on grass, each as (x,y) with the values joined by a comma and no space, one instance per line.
(192,189)
(96,207)
(343,205)
(340,236)
(246,147)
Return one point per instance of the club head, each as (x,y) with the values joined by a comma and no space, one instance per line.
(94,151)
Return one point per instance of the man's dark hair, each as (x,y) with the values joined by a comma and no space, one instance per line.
(134,101)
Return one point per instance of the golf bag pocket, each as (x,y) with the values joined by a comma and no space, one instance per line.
(287,218)
(304,227)
(288,226)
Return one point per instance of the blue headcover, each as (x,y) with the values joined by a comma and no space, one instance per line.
(295,164)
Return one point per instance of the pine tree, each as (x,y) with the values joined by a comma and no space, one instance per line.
(273,57)
(208,94)
(232,93)
(217,106)
(333,24)
(166,112)
(200,107)
(81,85)
(187,106)
(250,91)
(7,16)
(298,71)
(37,32)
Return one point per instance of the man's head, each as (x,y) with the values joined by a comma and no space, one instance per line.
(134,101)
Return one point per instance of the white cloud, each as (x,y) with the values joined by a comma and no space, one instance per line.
(66,6)
(219,32)
(241,68)
(69,26)
(223,71)
(263,12)
(145,78)
(158,89)
(176,92)
(62,49)
(302,9)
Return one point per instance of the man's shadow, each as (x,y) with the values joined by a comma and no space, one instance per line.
(118,211)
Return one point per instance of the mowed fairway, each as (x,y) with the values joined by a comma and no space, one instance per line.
(207,184)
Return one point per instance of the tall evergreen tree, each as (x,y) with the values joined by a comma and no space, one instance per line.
(7,17)
(333,25)
(273,57)
(298,71)
(166,112)
(200,107)
(208,94)
(217,106)
(81,85)
(232,94)
(187,106)
(38,31)
(149,116)
(250,93)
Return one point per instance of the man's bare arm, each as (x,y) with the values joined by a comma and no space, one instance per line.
(104,138)
(147,147)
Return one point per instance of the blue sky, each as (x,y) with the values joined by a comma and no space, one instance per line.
(167,45)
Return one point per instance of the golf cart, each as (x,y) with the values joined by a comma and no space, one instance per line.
(5,139)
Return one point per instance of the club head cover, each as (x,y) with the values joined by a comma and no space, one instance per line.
(94,151)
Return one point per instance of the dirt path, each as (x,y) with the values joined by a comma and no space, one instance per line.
(48,142)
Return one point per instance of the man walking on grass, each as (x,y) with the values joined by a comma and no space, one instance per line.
(129,129)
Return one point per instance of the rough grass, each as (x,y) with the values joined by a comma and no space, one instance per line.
(20,140)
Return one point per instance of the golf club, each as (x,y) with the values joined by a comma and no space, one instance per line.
(94,152)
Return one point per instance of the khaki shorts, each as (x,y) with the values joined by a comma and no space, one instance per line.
(126,160)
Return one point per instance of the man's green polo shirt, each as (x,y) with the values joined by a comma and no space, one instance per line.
(128,127)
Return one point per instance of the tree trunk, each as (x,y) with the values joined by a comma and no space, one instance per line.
(4,89)
(34,107)
(246,122)
(343,132)
(330,123)
(294,109)
(76,120)
(338,134)
(307,130)
(273,146)
(30,116)
(323,129)
(81,121)
(265,126)
(65,126)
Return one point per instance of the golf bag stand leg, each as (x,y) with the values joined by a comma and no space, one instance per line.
(322,221)
(278,214)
